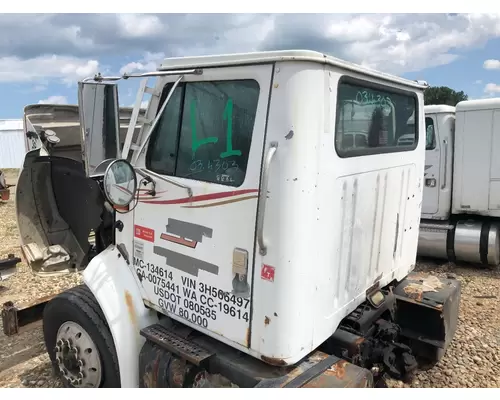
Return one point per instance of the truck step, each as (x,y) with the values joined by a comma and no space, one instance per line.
(181,347)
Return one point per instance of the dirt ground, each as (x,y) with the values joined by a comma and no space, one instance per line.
(473,360)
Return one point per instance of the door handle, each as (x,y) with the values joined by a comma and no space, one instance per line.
(273,146)
(443,184)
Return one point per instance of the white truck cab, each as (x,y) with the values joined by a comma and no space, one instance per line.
(440,128)
(461,201)
(269,214)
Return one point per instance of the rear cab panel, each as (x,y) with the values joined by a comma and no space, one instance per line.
(335,226)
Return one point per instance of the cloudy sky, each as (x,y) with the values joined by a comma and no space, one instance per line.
(43,56)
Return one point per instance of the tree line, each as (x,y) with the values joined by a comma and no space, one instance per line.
(443,95)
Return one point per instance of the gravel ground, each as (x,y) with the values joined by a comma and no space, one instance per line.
(473,360)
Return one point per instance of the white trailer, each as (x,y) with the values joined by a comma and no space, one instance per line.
(461,201)
(263,233)
(12,149)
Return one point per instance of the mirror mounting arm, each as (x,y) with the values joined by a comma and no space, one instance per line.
(153,125)
(158,116)
(194,71)
(97,81)
(146,180)
(147,174)
(99,78)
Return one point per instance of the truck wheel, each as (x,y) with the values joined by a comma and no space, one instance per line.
(78,340)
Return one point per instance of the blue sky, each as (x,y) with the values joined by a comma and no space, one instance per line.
(45,55)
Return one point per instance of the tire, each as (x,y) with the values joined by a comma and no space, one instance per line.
(78,305)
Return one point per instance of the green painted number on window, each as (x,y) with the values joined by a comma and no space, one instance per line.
(227,115)
(196,143)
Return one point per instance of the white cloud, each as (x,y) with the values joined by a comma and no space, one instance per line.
(395,43)
(362,28)
(491,64)
(73,34)
(149,62)
(404,43)
(63,68)
(492,88)
(54,100)
(137,26)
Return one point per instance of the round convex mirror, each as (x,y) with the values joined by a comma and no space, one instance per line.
(120,183)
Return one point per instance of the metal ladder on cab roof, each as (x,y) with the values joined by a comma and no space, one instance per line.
(146,121)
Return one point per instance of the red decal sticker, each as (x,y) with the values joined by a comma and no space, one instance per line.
(267,273)
(144,233)
(179,240)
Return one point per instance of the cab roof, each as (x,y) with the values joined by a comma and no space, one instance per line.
(263,57)
(439,108)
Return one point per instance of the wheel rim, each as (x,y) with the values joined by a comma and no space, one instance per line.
(77,356)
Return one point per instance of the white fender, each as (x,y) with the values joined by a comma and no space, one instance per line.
(111,281)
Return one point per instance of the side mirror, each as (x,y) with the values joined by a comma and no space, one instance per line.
(119,182)
(99,123)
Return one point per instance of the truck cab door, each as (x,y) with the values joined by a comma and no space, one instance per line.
(194,236)
(430,202)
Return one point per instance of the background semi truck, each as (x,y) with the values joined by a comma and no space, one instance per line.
(219,259)
(461,199)
(63,122)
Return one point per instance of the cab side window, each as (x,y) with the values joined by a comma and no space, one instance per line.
(205,131)
(374,119)
(430,135)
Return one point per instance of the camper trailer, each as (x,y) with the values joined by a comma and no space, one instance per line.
(259,230)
